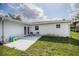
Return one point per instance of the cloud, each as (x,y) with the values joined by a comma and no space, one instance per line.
(75,6)
(2,12)
(74,9)
(28,11)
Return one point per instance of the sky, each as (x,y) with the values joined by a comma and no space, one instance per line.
(39,10)
(56,10)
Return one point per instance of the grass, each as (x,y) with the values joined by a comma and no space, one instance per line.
(6,51)
(48,46)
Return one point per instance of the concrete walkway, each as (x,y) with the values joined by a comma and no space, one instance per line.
(24,43)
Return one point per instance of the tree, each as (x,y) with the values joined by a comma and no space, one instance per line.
(73,25)
(18,17)
(11,15)
(77,17)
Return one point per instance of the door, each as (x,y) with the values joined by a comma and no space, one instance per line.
(24,30)
(28,30)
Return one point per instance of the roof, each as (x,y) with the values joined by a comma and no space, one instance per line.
(14,20)
(38,22)
(50,22)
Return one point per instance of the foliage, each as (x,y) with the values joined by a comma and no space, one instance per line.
(16,17)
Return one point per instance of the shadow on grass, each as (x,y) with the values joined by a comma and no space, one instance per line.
(65,40)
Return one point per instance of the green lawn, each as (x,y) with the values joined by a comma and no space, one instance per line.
(6,51)
(55,46)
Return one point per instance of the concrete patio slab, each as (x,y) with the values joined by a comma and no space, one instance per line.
(24,43)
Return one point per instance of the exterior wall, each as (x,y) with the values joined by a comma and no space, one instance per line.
(50,29)
(17,29)
(13,29)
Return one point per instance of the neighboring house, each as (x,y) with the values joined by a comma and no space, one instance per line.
(75,25)
(19,28)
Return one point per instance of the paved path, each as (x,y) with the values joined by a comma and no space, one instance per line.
(24,43)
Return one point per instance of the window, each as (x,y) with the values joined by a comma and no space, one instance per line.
(24,30)
(36,27)
(58,26)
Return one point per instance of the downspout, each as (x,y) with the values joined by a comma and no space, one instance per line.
(2,30)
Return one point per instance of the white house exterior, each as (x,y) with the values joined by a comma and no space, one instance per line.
(50,28)
(12,28)
(18,28)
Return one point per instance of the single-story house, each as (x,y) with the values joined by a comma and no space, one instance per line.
(10,27)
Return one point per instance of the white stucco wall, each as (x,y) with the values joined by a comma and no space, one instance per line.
(50,29)
(17,29)
(13,29)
